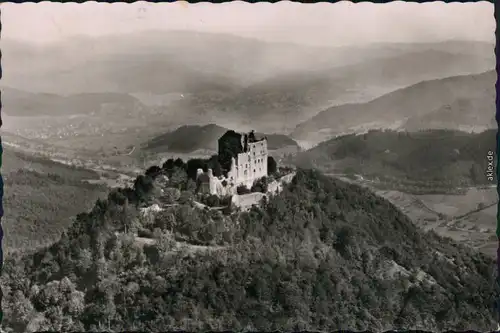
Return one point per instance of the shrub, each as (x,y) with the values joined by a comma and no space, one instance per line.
(242,189)
(179,163)
(168,165)
(186,196)
(170,195)
(153,171)
(272,166)
(193,165)
(143,186)
(260,185)
(145,233)
(225,201)
(117,197)
(212,200)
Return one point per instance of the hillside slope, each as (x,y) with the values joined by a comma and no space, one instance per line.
(322,255)
(431,159)
(473,114)
(40,198)
(469,100)
(189,138)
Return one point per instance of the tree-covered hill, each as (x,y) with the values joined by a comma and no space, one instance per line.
(454,103)
(431,158)
(321,255)
(189,138)
(40,197)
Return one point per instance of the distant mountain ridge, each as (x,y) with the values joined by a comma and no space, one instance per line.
(273,85)
(17,102)
(300,94)
(208,53)
(189,138)
(464,100)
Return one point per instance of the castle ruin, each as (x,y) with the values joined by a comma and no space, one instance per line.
(243,158)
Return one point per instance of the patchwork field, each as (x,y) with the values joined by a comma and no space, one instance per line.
(468,218)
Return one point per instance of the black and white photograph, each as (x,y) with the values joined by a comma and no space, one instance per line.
(249,167)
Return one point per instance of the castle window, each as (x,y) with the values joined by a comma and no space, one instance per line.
(253,170)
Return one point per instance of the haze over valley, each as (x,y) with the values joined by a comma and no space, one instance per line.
(187,90)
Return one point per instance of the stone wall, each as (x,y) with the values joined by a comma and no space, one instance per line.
(209,184)
(246,201)
(251,165)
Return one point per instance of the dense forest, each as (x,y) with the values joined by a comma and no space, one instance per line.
(321,255)
(429,159)
(40,198)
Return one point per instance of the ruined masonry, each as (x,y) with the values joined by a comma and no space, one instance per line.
(243,156)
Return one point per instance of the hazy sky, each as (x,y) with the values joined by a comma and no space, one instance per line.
(320,24)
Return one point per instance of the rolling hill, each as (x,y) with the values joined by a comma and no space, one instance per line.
(16,102)
(322,255)
(468,99)
(388,73)
(474,114)
(40,198)
(299,95)
(190,138)
(430,160)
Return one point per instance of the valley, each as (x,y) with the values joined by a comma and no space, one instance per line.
(468,218)
(466,214)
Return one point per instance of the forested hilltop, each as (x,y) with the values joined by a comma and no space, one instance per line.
(321,255)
